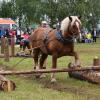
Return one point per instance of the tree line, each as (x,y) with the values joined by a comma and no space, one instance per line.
(29,11)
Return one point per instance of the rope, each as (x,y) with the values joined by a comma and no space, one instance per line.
(19,62)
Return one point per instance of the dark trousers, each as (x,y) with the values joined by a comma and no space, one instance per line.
(94,39)
(24,44)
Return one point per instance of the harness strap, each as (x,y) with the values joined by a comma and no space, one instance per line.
(60,37)
(46,41)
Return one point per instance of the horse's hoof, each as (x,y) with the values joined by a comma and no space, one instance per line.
(77,65)
(42,76)
(53,80)
(37,76)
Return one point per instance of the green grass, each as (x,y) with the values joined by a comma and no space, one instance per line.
(29,88)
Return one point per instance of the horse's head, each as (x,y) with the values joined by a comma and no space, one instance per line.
(71,26)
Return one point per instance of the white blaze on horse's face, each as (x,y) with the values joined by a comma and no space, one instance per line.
(71,24)
(75,26)
(78,27)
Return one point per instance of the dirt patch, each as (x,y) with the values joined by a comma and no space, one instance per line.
(70,89)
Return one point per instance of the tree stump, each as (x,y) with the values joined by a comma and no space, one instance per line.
(6,85)
(96,61)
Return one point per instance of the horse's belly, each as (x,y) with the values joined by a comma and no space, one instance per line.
(60,50)
(65,52)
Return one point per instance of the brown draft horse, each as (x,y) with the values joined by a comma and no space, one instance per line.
(56,43)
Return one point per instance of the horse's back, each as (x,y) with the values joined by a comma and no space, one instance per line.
(38,36)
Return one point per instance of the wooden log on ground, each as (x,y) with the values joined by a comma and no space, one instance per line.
(6,85)
(2,56)
(23,55)
(87,75)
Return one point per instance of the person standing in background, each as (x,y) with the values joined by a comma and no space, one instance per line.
(94,34)
(44,24)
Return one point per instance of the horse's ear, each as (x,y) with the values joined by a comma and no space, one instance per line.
(79,17)
(70,18)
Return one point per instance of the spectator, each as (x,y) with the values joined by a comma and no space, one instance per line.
(2,32)
(58,26)
(18,35)
(25,41)
(88,37)
(94,34)
(44,24)
(12,33)
(7,34)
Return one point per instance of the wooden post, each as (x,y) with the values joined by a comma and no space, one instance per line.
(96,61)
(6,50)
(12,46)
(2,45)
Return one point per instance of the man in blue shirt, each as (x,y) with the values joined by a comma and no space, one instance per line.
(1,33)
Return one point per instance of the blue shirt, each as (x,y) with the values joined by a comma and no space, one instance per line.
(1,33)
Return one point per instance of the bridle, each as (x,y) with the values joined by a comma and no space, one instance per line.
(70,31)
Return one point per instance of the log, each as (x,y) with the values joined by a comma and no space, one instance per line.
(2,56)
(89,75)
(6,85)
(23,55)
(49,71)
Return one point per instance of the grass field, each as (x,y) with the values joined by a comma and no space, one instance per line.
(29,88)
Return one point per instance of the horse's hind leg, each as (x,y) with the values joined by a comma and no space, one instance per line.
(42,61)
(35,57)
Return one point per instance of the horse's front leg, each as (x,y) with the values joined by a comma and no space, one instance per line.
(76,56)
(54,65)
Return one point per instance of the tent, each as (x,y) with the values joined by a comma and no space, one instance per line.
(7,23)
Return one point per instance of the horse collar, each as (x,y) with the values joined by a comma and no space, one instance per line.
(62,39)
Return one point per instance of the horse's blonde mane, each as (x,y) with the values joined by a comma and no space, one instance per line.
(65,23)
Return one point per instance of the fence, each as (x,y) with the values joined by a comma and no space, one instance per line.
(5,46)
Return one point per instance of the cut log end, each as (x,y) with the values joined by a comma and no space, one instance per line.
(96,61)
(7,86)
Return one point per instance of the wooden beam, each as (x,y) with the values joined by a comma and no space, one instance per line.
(49,71)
